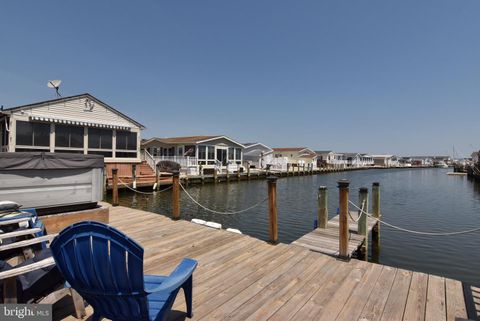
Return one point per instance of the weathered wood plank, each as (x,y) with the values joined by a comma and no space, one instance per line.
(417,298)
(456,307)
(436,308)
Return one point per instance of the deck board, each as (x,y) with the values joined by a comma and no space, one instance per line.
(326,240)
(243,278)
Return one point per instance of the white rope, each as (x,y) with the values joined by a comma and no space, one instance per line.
(416,232)
(218,212)
(359,216)
(142,192)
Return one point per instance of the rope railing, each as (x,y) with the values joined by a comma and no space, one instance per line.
(142,192)
(359,216)
(218,212)
(413,231)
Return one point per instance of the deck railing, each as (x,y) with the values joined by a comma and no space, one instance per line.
(184,161)
(149,159)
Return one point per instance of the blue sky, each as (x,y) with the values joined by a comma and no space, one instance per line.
(374,76)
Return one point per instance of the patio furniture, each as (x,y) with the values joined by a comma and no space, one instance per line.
(106,268)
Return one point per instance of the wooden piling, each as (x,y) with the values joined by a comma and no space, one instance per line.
(322,207)
(343,219)
(215,175)
(288,169)
(362,221)
(176,195)
(248,171)
(272,209)
(376,213)
(238,173)
(134,176)
(115,186)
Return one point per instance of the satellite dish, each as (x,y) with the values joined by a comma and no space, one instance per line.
(56,85)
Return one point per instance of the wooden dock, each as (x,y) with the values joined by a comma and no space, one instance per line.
(243,278)
(325,240)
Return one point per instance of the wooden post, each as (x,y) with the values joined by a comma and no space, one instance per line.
(248,171)
(322,207)
(215,175)
(303,169)
(134,176)
(228,174)
(362,221)
(272,209)
(288,168)
(115,186)
(176,195)
(238,172)
(376,214)
(202,179)
(343,219)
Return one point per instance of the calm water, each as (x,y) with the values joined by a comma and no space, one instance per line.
(418,199)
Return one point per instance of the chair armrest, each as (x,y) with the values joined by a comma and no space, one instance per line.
(176,279)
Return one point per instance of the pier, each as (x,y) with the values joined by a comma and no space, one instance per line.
(325,240)
(243,278)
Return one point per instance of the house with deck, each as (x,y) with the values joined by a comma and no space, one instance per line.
(257,155)
(385,160)
(296,156)
(358,160)
(80,124)
(197,154)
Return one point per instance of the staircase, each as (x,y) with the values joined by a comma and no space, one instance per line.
(145,175)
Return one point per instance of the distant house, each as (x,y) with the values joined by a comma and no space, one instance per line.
(385,160)
(257,155)
(475,157)
(358,160)
(210,152)
(325,158)
(80,124)
(296,156)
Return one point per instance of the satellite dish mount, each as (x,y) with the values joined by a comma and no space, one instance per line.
(56,85)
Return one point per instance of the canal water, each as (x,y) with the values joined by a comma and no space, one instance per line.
(418,199)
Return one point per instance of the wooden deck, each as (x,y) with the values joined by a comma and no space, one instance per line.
(325,240)
(243,278)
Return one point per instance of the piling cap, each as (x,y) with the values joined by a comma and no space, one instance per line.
(343,183)
(376,184)
(322,188)
(272,178)
(363,190)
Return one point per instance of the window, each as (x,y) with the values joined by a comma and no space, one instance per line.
(99,138)
(33,134)
(238,153)
(231,153)
(202,152)
(68,136)
(126,140)
(211,152)
(190,150)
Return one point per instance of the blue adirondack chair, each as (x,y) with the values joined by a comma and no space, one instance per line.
(106,267)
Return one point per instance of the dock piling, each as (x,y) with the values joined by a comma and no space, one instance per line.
(176,195)
(322,207)
(115,186)
(362,221)
(272,209)
(343,219)
(376,214)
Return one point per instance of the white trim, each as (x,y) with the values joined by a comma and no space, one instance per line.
(220,137)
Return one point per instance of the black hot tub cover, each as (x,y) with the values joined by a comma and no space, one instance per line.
(42,160)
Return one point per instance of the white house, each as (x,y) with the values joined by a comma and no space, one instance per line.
(385,160)
(209,153)
(358,160)
(79,124)
(296,156)
(257,155)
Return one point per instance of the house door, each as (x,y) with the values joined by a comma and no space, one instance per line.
(222,156)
